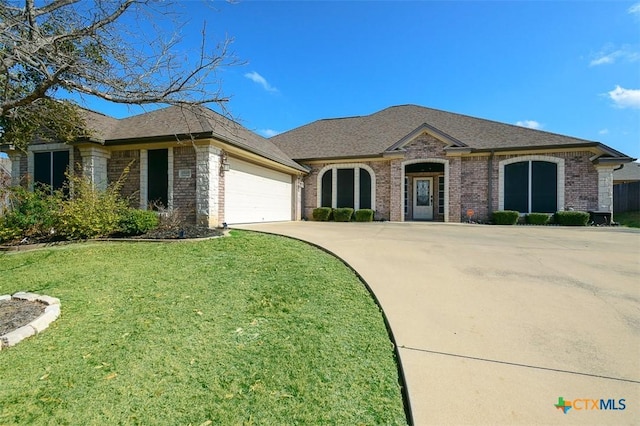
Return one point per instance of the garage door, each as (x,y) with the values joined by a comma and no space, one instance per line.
(255,194)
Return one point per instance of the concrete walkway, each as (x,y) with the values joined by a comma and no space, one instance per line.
(494,324)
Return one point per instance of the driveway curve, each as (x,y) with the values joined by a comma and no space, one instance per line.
(495,324)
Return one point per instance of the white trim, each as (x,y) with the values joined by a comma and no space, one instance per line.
(560,179)
(446,182)
(356,184)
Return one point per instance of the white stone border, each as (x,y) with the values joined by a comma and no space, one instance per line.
(38,325)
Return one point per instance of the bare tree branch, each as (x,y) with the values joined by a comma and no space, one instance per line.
(84,47)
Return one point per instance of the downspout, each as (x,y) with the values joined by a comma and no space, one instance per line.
(490,185)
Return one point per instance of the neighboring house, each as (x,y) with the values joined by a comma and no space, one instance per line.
(192,159)
(628,173)
(5,181)
(414,163)
(626,188)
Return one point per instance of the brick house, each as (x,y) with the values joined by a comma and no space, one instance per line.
(192,159)
(414,163)
(405,162)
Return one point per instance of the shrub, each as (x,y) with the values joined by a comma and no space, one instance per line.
(90,212)
(322,214)
(30,214)
(505,217)
(537,218)
(342,214)
(136,222)
(571,218)
(364,215)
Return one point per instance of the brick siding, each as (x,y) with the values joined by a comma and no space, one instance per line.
(184,188)
(115,167)
(468,182)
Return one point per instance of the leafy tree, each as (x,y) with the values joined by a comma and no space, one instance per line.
(89,47)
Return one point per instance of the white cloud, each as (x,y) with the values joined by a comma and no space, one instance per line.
(603,132)
(257,78)
(531,124)
(625,98)
(610,56)
(268,132)
(635,9)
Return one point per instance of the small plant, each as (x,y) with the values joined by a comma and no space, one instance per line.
(137,222)
(343,214)
(571,218)
(364,215)
(505,217)
(537,218)
(322,214)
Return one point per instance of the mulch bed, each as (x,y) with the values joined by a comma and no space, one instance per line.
(16,313)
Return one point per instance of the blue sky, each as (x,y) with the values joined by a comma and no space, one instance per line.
(568,67)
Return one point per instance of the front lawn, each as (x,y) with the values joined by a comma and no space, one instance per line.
(248,329)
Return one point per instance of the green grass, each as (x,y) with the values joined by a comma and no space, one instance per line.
(630,219)
(249,329)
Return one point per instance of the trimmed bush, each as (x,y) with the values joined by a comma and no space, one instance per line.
(322,214)
(537,218)
(343,214)
(137,222)
(505,217)
(571,218)
(364,215)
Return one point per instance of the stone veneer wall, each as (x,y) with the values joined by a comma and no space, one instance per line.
(115,166)
(184,188)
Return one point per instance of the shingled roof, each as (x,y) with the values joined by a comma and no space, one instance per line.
(179,123)
(384,131)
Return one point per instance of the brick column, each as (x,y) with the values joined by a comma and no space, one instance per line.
(455,181)
(207,185)
(605,188)
(396,189)
(94,165)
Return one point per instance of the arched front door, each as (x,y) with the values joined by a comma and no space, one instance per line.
(423,198)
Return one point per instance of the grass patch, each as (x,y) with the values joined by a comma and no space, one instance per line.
(630,219)
(250,329)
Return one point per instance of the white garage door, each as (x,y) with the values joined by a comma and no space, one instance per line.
(255,194)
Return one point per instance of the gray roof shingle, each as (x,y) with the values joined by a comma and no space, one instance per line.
(374,134)
(176,123)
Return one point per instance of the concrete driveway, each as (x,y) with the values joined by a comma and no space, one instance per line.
(495,324)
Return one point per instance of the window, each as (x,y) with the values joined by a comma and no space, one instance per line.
(346,186)
(49,169)
(327,188)
(531,186)
(158,177)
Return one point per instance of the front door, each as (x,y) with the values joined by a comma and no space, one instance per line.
(423,198)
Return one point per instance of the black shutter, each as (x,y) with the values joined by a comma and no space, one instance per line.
(42,169)
(158,176)
(544,187)
(365,189)
(516,187)
(327,188)
(345,187)
(60,166)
